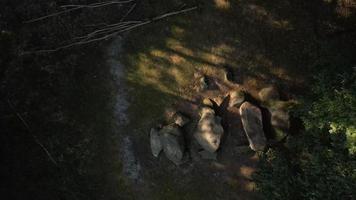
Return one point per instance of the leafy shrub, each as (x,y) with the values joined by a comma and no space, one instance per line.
(311,168)
(332,104)
(319,163)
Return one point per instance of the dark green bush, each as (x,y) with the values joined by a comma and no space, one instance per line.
(319,163)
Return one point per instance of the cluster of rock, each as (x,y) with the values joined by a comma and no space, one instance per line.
(170,139)
(209,131)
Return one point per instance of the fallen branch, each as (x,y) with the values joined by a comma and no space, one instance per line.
(77,7)
(29,130)
(128,12)
(111,30)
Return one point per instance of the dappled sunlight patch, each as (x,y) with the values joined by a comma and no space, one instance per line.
(176,45)
(345,8)
(246,171)
(222,4)
(158,53)
(176,59)
(222,49)
(178,75)
(152,74)
(241,184)
(252,83)
(177,31)
(250,186)
(259,13)
(172,42)
(211,58)
(280,24)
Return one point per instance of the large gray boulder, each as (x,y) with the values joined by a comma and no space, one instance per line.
(209,130)
(173,143)
(252,123)
(155,140)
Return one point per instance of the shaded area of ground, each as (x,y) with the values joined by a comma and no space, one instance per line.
(68,105)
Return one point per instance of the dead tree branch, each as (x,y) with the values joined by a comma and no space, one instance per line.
(111,30)
(77,7)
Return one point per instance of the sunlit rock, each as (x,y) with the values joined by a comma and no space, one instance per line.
(209,130)
(180,119)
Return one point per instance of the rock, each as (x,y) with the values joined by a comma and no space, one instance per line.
(169,114)
(180,119)
(218,100)
(236,98)
(252,123)
(268,94)
(198,75)
(156,145)
(279,119)
(228,74)
(173,143)
(202,84)
(208,155)
(207,102)
(209,130)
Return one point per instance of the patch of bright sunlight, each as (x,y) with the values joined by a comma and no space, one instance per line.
(222,4)
(246,171)
(259,13)
(177,31)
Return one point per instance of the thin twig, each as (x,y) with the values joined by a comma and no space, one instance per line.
(77,7)
(112,30)
(29,130)
(128,12)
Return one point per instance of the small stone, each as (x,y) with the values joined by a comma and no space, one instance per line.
(252,123)
(268,94)
(169,114)
(180,119)
(208,155)
(236,98)
(202,84)
(156,146)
